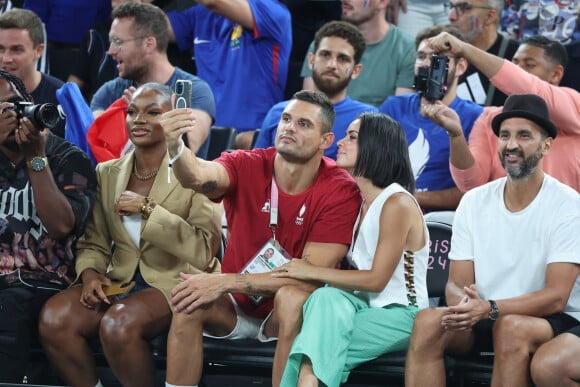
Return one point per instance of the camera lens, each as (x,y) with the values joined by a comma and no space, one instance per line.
(47,115)
(41,116)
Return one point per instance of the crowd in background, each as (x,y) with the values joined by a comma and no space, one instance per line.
(103,181)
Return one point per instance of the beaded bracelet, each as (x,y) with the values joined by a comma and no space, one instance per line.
(172,160)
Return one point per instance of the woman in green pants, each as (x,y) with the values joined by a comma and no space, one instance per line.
(364,313)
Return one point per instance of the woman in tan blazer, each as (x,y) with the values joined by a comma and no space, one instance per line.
(145,228)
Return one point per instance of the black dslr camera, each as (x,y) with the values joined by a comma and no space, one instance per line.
(431,82)
(42,116)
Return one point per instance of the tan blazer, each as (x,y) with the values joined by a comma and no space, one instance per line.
(176,237)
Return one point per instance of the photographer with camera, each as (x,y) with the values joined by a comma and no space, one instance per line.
(435,80)
(47,188)
(22,45)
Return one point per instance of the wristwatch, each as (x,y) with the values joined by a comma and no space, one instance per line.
(494,311)
(37,163)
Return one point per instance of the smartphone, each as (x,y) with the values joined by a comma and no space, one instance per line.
(118,288)
(182,93)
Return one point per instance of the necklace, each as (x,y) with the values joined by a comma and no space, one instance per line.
(146,177)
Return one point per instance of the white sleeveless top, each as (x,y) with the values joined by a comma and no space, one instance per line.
(408,285)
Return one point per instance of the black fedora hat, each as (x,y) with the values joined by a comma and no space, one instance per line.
(529,106)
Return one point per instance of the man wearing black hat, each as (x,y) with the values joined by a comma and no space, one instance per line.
(515,260)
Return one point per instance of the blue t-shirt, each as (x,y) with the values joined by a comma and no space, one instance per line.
(67,20)
(346,111)
(201,96)
(428,142)
(246,69)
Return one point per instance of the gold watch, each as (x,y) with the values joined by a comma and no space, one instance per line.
(37,163)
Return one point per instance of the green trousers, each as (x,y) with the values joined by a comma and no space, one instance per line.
(341,331)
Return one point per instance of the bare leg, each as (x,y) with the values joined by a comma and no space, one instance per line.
(306,378)
(288,316)
(515,338)
(185,340)
(556,362)
(425,365)
(64,328)
(126,329)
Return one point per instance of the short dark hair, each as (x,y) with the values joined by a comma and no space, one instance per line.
(554,52)
(26,20)
(327,114)
(148,20)
(163,90)
(17,85)
(383,153)
(432,31)
(345,31)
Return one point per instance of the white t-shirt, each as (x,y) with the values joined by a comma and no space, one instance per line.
(362,253)
(511,250)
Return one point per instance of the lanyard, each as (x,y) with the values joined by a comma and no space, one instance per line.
(274,207)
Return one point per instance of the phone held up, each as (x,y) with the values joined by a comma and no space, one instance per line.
(182,94)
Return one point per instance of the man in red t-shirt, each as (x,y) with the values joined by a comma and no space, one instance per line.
(317,204)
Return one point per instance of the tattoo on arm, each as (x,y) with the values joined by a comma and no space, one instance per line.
(208,186)
(211,185)
(248,288)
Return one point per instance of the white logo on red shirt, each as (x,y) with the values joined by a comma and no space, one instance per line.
(266,206)
(299,218)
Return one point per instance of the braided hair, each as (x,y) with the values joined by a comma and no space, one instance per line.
(17,85)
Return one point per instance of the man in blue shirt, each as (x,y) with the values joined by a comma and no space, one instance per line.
(242,49)
(428,142)
(139,37)
(338,48)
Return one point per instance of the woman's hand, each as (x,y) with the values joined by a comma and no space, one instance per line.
(93,294)
(175,124)
(297,268)
(129,203)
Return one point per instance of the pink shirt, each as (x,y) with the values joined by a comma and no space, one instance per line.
(563,160)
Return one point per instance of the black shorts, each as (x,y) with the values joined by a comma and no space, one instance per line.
(575,330)
(483,340)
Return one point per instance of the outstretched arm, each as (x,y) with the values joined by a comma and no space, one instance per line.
(201,289)
(447,44)
(207,177)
